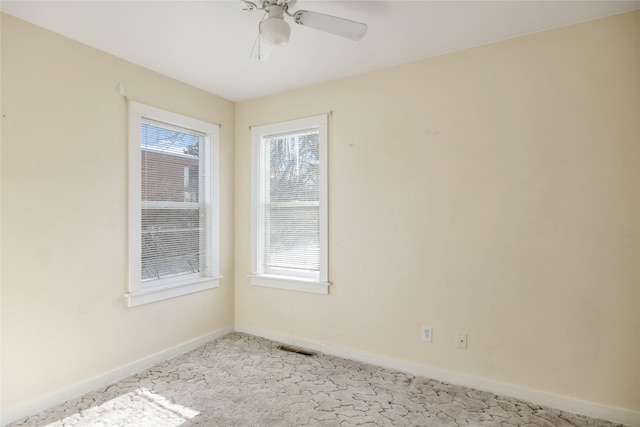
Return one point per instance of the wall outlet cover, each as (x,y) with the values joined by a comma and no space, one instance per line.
(427,333)
(461,340)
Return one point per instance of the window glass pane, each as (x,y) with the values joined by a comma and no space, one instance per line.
(173,240)
(292,195)
(293,237)
(293,167)
(170,164)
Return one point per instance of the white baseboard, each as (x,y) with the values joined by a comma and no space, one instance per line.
(13,414)
(569,404)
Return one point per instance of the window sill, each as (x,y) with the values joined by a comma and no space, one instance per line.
(146,296)
(291,284)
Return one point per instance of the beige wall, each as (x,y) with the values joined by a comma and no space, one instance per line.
(64,215)
(494,191)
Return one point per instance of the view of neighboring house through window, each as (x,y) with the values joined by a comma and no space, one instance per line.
(173,240)
(290,205)
(174,204)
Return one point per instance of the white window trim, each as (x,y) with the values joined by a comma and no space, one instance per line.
(144,293)
(258,276)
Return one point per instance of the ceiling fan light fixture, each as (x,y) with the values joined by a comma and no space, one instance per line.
(275,31)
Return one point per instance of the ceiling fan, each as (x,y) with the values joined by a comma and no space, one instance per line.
(273,30)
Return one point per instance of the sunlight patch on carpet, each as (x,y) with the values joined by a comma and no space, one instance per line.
(140,407)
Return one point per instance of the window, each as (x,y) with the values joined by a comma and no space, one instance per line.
(289,205)
(173,206)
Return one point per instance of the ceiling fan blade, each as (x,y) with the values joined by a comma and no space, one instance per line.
(331,24)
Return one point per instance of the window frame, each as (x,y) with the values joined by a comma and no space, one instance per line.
(156,290)
(313,283)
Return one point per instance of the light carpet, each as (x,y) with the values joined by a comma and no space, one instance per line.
(242,380)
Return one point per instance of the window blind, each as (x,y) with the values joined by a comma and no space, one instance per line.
(173,240)
(292,202)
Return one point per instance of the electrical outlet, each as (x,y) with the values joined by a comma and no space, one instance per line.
(461,340)
(427,333)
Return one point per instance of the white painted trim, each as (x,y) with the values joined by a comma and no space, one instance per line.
(258,270)
(564,403)
(155,290)
(324,200)
(10,415)
(174,119)
(291,284)
(146,296)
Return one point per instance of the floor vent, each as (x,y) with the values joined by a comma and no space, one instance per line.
(296,350)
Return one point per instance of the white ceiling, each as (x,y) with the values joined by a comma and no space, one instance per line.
(208,43)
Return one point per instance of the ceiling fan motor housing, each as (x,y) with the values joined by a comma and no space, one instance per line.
(274,29)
